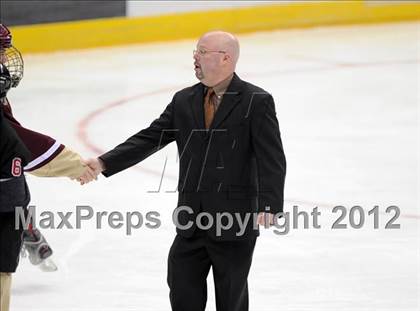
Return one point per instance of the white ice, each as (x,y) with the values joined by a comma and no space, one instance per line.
(347,101)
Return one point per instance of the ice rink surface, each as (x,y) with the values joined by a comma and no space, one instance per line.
(347,100)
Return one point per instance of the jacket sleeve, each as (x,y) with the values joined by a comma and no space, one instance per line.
(141,145)
(270,158)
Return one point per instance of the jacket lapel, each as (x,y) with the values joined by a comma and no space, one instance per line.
(229,101)
(197,105)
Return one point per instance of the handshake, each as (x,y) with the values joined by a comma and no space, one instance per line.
(92,168)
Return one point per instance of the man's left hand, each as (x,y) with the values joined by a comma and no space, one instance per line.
(265,219)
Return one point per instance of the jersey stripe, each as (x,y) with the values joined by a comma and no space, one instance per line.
(43,157)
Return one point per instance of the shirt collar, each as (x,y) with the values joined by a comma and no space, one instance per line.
(221,87)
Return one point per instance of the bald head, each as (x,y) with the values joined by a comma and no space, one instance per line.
(218,54)
(224,41)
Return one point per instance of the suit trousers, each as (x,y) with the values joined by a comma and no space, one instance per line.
(189,262)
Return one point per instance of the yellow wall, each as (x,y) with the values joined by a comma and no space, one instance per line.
(115,31)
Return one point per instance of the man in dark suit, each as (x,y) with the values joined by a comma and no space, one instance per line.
(232,167)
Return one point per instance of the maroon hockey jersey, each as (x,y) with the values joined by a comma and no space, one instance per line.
(42,148)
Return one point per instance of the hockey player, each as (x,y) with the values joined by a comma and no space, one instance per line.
(24,150)
(13,192)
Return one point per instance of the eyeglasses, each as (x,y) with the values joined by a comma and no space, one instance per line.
(203,52)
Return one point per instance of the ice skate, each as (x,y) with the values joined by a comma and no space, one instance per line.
(38,250)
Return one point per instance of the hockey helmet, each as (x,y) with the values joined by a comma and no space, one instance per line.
(10,56)
(5,81)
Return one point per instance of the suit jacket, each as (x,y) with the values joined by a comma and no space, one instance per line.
(236,166)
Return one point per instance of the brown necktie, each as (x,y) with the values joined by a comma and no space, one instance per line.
(209,107)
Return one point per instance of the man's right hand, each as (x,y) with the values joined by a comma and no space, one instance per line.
(95,165)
